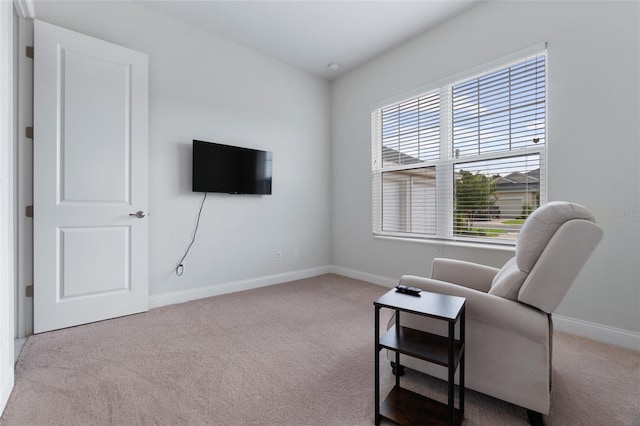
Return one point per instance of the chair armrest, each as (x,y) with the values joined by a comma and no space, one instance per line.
(467,274)
(499,312)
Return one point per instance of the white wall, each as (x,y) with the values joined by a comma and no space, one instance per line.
(593,139)
(6,203)
(204,87)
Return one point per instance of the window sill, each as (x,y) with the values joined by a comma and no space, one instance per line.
(446,243)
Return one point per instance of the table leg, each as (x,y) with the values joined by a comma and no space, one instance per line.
(451,367)
(398,368)
(377,365)
(464,351)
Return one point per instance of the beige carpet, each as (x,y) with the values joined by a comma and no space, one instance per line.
(299,353)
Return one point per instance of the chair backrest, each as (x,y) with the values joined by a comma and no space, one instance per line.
(554,243)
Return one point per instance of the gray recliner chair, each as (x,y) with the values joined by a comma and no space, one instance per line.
(509,329)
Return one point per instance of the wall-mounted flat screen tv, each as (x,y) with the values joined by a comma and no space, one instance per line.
(230,169)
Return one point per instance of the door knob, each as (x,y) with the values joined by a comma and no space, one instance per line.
(139,214)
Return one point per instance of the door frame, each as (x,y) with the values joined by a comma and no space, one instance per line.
(24,179)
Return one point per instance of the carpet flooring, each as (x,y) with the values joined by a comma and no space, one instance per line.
(297,353)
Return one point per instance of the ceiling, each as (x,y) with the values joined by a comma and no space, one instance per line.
(310,35)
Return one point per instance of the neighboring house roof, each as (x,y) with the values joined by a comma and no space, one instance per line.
(390,155)
(518,182)
(534,174)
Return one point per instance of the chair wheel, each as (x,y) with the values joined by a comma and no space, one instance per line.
(535,418)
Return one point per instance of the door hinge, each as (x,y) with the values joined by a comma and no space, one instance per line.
(29,289)
(29,132)
(29,52)
(29,211)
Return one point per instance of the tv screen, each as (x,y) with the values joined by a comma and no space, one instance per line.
(230,169)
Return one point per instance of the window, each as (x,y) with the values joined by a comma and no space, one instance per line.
(465,160)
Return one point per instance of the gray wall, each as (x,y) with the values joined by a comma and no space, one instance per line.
(593,139)
(202,86)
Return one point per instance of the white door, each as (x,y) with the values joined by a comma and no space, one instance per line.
(90,179)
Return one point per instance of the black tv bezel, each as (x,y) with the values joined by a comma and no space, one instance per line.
(228,190)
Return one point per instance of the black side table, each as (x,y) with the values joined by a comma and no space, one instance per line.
(406,407)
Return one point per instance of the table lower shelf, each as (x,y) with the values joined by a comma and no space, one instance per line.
(405,407)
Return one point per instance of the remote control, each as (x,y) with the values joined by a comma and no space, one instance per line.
(412,291)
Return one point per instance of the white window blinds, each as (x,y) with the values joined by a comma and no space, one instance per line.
(465,160)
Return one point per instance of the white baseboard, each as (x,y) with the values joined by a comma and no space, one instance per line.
(174,297)
(590,330)
(358,275)
(601,333)
(598,332)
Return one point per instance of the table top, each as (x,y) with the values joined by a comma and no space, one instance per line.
(435,305)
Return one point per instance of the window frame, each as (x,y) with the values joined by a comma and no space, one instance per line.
(446,163)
